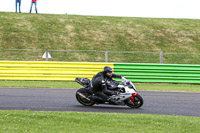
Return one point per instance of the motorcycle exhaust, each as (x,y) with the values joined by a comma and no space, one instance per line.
(80,94)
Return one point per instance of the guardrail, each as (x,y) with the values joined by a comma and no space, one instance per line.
(38,70)
(166,73)
(68,71)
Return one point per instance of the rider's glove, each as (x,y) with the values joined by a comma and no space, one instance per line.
(124,80)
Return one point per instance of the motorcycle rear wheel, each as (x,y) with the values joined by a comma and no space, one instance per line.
(138,102)
(82,100)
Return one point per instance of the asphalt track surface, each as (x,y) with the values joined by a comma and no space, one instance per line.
(48,99)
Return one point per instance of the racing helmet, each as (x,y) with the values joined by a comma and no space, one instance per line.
(107,71)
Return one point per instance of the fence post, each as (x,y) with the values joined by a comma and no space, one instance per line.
(106,56)
(47,54)
(161,57)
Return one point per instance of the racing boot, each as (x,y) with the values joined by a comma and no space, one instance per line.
(110,100)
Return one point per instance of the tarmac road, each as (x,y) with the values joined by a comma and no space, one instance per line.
(48,99)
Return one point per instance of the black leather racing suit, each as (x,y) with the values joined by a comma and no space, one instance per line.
(100,89)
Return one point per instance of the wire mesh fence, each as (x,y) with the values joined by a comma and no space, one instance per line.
(99,56)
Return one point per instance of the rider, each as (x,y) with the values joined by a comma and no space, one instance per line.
(100,84)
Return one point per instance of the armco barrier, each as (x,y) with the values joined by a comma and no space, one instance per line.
(170,73)
(66,71)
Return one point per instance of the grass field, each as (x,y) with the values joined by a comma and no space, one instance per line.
(139,86)
(77,122)
(71,32)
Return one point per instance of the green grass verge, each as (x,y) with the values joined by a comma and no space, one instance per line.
(40,84)
(139,86)
(168,87)
(76,122)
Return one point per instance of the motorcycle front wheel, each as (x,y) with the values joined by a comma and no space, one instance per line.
(138,102)
(81,99)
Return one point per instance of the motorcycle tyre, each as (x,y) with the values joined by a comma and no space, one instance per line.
(82,100)
(135,106)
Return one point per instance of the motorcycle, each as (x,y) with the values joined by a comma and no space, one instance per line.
(127,94)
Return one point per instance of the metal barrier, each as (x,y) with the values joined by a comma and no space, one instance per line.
(170,73)
(66,71)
